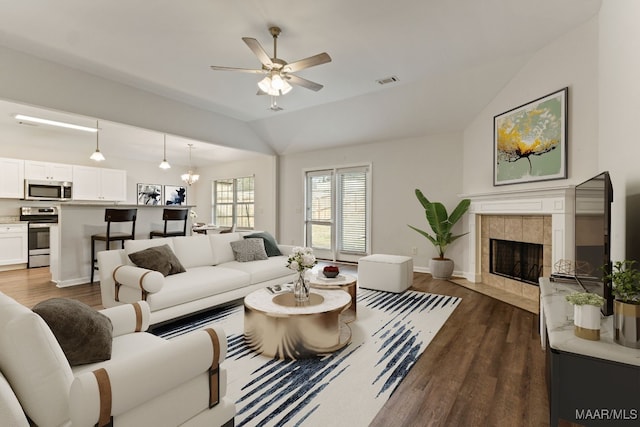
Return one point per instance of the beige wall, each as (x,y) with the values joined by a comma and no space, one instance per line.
(431,163)
(571,61)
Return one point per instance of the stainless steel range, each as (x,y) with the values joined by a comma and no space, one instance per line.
(40,220)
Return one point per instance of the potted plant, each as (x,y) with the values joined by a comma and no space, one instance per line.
(625,282)
(441,224)
(586,314)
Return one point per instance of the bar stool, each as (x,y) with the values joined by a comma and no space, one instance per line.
(113,215)
(172,215)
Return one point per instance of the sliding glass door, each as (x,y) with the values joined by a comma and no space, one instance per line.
(337,214)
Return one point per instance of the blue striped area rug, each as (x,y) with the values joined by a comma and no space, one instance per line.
(346,388)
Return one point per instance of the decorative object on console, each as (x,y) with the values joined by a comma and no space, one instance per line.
(441,224)
(150,194)
(625,280)
(97,155)
(190,177)
(331,271)
(175,195)
(164,164)
(586,314)
(300,260)
(530,141)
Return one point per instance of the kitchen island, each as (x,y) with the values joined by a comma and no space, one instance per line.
(71,237)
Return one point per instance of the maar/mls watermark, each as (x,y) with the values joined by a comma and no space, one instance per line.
(607,414)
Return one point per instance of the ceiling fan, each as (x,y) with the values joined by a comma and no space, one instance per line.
(278,78)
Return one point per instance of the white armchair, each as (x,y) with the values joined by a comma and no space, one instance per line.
(147,381)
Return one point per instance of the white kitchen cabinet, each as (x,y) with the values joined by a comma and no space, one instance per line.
(12,178)
(14,244)
(99,184)
(45,171)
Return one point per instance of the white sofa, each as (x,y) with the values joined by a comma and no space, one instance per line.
(152,381)
(212,275)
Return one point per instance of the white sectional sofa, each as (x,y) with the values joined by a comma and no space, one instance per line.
(151,381)
(212,275)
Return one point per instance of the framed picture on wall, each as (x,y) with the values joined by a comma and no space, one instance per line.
(150,194)
(530,141)
(175,195)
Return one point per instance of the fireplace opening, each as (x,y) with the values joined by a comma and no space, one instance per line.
(516,260)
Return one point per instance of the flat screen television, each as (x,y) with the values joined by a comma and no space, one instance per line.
(593,200)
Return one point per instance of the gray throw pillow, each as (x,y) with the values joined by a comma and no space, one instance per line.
(84,334)
(248,250)
(270,244)
(158,258)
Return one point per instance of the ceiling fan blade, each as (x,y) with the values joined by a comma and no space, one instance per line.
(321,58)
(299,81)
(242,70)
(257,49)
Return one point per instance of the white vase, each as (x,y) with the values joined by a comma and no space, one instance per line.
(586,321)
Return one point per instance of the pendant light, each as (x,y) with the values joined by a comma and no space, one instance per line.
(97,155)
(165,165)
(190,177)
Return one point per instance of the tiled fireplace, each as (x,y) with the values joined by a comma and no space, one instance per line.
(540,217)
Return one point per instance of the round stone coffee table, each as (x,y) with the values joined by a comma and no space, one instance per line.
(344,282)
(278,326)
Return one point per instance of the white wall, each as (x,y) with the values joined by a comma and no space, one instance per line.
(431,163)
(43,83)
(619,91)
(263,168)
(570,61)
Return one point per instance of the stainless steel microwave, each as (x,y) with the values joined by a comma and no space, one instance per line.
(47,190)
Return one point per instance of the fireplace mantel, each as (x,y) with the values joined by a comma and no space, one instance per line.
(558,202)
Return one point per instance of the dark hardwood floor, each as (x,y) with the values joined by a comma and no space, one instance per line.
(484,368)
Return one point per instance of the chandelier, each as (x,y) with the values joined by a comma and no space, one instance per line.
(190,177)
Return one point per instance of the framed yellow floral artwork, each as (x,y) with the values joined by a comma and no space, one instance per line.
(530,141)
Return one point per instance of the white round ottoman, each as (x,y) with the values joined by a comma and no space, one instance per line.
(391,273)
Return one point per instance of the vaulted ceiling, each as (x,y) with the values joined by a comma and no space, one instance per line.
(451,57)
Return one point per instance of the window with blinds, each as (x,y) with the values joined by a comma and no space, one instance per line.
(338,213)
(234,202)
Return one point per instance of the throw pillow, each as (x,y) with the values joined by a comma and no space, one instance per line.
(248,250)
(270,244)
(158,258)
(84,334)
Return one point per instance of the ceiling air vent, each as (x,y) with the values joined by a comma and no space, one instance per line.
(388,80)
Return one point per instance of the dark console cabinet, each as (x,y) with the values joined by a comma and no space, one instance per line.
(592,392)
(590,383)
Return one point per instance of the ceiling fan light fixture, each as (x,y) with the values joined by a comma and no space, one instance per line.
(276,82)
(265,84)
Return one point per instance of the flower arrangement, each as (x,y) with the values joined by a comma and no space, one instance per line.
(585,298)
(301,259)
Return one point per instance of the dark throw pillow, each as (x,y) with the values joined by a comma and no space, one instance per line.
(84,334)
(248,250)
(158,258)
(270,244)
